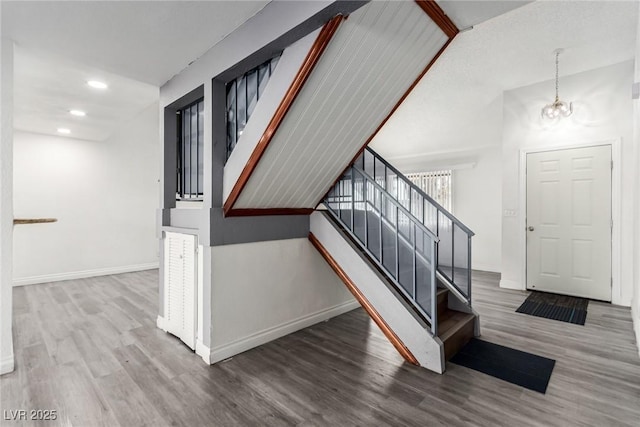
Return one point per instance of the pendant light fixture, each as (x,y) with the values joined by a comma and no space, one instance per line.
(557,108)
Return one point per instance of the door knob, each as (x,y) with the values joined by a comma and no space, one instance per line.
(531,228)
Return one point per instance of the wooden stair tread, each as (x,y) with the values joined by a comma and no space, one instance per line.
(451,322)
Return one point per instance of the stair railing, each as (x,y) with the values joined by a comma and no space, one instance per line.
(400,245)
(453,254)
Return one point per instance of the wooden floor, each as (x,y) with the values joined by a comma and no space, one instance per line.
(89,349)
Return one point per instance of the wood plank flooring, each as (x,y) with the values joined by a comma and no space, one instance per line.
(89,349)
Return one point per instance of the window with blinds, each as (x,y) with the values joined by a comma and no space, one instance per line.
(437,185)
(243,94)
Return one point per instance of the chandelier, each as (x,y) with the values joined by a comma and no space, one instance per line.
(557,108)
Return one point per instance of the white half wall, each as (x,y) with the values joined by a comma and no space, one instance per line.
(104,195)
(603,111)
(263,291)
(427,349)
(6,205)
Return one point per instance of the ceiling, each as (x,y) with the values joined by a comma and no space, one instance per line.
(138,46)
(148,41)
(47,87)
(133,46)
(467,13)
(461,94)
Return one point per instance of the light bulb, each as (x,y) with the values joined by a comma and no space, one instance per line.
(96,84)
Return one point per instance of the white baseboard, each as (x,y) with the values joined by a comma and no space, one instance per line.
(635,315)
(57,277)
(7,364)
(485,267)
(243,344)
(511,284)
(160,323)
(203,351)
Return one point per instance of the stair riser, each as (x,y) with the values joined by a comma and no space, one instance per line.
(458,340)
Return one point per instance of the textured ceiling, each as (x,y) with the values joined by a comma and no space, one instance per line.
(467,13)
(509,51)
(134,46)
(48,87)
(149,41)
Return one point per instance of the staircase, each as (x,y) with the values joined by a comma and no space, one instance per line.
(420,253)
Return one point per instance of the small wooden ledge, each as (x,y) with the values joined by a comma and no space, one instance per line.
(33,220)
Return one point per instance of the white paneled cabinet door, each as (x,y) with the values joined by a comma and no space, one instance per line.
(180,291)
(569,222)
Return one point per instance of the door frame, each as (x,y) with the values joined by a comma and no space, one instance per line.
(616,180)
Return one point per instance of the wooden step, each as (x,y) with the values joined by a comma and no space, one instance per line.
(442,297)
(455,329)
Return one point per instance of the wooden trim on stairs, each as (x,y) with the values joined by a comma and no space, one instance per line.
(316,51)
(270,211)
(393,110)
(373,313)
(434,11)
(436,14)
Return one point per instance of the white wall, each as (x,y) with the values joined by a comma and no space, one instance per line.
(262,291)
(104,195)
(635,306)
(477,192)
(413,335)
(6,205)
(477,201)
(473,150)
(602,112)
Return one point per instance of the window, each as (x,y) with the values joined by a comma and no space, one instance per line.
(243,94)
(436,184)
(190,152)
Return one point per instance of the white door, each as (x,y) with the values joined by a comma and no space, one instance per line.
(180,292)
(569,222)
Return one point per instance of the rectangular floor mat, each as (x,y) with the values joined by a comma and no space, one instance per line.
(514,366)
(556,307)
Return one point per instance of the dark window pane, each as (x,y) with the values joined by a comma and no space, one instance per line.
(263,78)
(274,63)
(243,95)
(200,146)
(186,140)
(231,117)
(252,92)
(190,150)
(242,105)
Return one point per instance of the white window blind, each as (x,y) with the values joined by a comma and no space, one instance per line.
(437,184)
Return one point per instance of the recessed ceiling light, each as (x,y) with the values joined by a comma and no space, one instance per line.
(64,131)
(97,84)
(77,113)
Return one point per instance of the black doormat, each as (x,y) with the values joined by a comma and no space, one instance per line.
(517,367)
(556,307)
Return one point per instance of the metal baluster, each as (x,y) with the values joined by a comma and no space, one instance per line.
(365,184)
(353,199)
(453,252)
(380,229)
(434,312)
(469,269)
(438,232)
(397,241)
(415,271)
